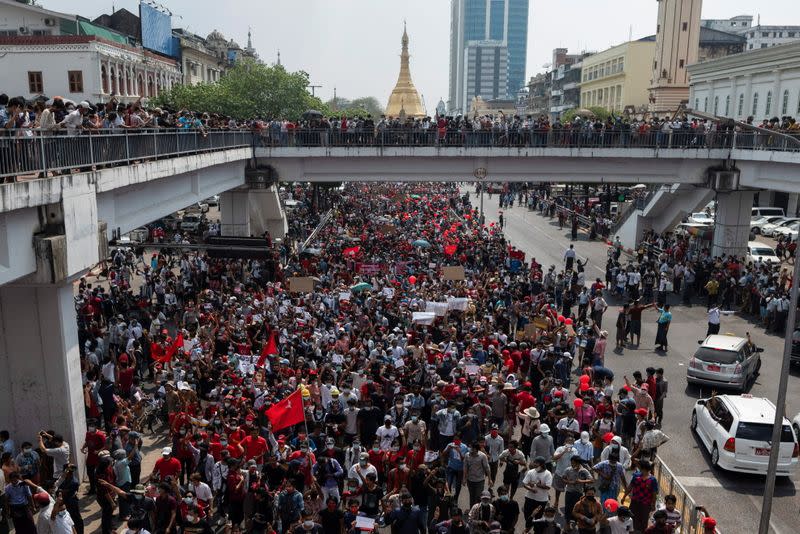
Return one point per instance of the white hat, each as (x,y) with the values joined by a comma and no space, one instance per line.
(544,429)
(166,451)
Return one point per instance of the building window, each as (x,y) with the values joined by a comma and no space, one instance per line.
(680,63)
(769,103)
(658,28)
(655,66)
(785,105)
(764,45)
(716,105)
(696,103)
(728,106)
(75,78)
(705,104)
(750,46)
(685,26)
(755,105)
(621,64)
(764,34)
(740,109)
(35,85)
(791,34)
(39,33)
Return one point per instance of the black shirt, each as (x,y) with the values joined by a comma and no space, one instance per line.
(331,520)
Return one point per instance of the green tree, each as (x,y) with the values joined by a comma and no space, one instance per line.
(367,105)
(249,89)
(598,112)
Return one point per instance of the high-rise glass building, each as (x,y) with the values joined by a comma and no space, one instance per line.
(488,49)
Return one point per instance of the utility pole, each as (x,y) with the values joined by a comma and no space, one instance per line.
(313,89)
(780,404)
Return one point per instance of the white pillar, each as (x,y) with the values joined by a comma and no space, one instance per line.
(40,383)
(732,228)
(791,207)
(235,213)
(266,213)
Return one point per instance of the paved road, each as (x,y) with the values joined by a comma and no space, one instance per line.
(734,499)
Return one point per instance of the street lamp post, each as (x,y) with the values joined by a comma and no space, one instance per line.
(780,405)
(480,174)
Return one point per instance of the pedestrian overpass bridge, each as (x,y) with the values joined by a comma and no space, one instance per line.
(53,229)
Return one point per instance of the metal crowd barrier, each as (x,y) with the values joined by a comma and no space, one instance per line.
(524,138)
(42,152)
(668,484)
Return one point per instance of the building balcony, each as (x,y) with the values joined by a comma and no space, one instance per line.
(556,92)
(571,85)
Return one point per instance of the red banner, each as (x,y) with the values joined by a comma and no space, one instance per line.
(269,349)
(165,353)
(369,268)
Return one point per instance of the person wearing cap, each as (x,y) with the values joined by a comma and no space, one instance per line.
(359,470)
(408,518)
(387,433)
(166,466)
(73,121)
(537,481)
(660,525)
(542,445)
(481,514)
(709,523)
(643,490)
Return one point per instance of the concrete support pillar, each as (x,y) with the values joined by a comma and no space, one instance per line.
(40,382)
(791,206)
(732,230)
(235,213)
(765,198)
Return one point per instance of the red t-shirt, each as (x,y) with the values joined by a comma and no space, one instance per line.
(126,379)
(254,447)
(167,467)
(95,442)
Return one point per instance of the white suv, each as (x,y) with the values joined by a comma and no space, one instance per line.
(737,432)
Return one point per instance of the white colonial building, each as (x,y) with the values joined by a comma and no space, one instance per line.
(83,67)
(761,83)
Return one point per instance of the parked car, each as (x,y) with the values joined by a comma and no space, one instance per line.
(191,223)
(758,251)
(757,223)
(767,229)
(789,230)
(168,222)
(795,355)
(701,217)
(785,224)
(736,430)
(766,211)
(724,361)
(212,201)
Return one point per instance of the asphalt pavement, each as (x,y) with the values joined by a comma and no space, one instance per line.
(734,499)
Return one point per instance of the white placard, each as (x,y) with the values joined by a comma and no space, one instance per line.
(365,523)
(399,362)
(457,304)
(388,291)
(345,295)
(423,318)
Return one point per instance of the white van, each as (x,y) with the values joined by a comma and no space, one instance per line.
(736,430)
(764,211)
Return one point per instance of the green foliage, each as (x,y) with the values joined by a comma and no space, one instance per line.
(246,91)
(599,112)
(367,105)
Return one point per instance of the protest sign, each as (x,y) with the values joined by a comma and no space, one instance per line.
(453,273)
(301,284)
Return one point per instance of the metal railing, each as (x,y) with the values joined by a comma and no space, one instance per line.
(756,139)
(668,484)
(42,152)
(322,223)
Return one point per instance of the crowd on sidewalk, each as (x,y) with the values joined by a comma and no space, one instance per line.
(366,400)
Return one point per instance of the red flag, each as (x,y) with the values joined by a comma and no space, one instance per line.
(287,412)
(165,354)
(270,348)
(450,249)
(351,251)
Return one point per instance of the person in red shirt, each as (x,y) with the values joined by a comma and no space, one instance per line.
(215,447)
(166,466)
(94,442)
(127,367)
(524,399)
(254,447)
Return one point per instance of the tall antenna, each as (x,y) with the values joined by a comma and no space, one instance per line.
(630,33)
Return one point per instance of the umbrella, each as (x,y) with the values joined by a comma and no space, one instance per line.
(421,243)
(312,114)
(414,196)
(639,186)
(363,286)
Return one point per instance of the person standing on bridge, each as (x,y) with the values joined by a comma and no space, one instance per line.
(501,220)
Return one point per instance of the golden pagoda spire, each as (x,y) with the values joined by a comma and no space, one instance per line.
(404,96)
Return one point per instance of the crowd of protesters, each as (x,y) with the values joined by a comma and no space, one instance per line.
(415,382)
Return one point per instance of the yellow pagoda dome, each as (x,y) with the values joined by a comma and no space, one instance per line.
(404,100)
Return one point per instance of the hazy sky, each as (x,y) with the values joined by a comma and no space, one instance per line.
(354,45)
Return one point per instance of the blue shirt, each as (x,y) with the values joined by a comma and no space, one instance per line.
(584,450)
(665,316)
(18,494)
(454,460)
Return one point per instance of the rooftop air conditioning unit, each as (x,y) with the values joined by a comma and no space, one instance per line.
(49,22)
(23,30)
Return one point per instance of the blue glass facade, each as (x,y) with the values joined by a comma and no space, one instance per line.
(508,23)
(517,44)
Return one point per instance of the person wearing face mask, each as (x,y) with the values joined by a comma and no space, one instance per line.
(482,514)
(454,525)
(588,512)
(495,445)
(28,462)
(387,433)
(455,452)
(506,509)
(328,473)
(415,429)
(58,520)
(476,471)
(399,413)
(361,469)
(331,518)
(547,523)
(537,481)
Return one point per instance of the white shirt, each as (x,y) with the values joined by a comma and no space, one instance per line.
(202,492)
(60,458)
(533,477)
(387,436)
(108,371)
(713,316)
(620,526)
